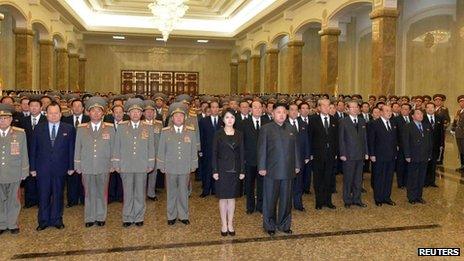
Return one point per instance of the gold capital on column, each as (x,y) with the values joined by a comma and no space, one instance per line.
(383,50)
(23,58)
(62,69)
(295,66)
(82,62)
(329,59)
(255,74)
(271,71)
(233,77)
(46,64)
(242,75)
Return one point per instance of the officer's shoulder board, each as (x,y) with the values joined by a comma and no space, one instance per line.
(17,129)
(147,123)
(192,113)
(123,122)
(188,127)
(83,125)
(108,124)
(158,121)
(166,128)
(165,109)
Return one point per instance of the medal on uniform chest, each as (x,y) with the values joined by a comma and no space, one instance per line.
(14,147)
(106,135)
(187,139)
(144,134)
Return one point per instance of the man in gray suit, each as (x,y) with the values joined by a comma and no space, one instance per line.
(177,158)
(353,151)
(134,157)
(278,162)
(92,159)
(14,167)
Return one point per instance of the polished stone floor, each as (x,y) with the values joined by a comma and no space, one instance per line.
(378,233)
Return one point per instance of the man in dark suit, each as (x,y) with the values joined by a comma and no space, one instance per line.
(365,114)
(304,154)
(243,114)
(208,127)
(383,150)
(115,191)
(52,157)
(278,163)
(436,125)
(401,163)
(74,187)
(417,146)
(304,109)
(353,151)
(31,196)
(323,132)
(250,129)
(339,114)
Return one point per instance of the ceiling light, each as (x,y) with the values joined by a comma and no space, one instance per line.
(118,37)
(159,39)
(202,41)
(167,14)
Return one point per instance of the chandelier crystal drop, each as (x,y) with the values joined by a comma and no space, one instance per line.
(167,14)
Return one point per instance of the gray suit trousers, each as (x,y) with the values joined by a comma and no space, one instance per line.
(134,186)
(9,205)
(178,194)
(352,181)
(96,191)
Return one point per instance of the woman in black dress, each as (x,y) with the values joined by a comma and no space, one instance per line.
(228,169)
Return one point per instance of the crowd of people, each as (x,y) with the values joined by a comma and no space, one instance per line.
(95,149)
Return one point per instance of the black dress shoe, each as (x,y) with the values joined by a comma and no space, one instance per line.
(249,212)
(421,201)
(271,232)
(59,226)
(331,206)
(361,205)
(302,209)
(363,190)
(307,192)
(224,234)
(89,224)
(185,221)
(153,198)
(347,205)
(232,233)
(40,228)
(434,185)
(203,195)
(70,205)
(14,231)
(126,224)
(412,202)
(139,224)
(2,231)
(318,207)
(100,223)
(378,204)
(390,202)
(171,222)
(288,231)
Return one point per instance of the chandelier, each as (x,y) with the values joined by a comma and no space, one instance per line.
(167,13)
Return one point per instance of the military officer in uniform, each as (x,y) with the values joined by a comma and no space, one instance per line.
(457,129)
(149,118)
(92,159)
(160,107)
(177,157)
(134,157)
(443,112)
(14,167)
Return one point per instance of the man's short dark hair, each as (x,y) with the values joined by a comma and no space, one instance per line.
(303,103)
(280,104)
(77,100)
(53,104)
(35,100)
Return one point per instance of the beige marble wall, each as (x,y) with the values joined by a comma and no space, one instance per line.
(311,76)
(282,75)
(82,62)
(329,59)
(61,69)
(242,75)
(7,54)
(364,71)
(46,65)
(295,66)
(233,77)
(23,58)
(255,78)
(271,72)
(73,81)
(105,62)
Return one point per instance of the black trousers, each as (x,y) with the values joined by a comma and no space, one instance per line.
(324,180)
(401,170)
(431,169)
(74,189)
(277,192)
(382,175)
(253,180)
(416,179)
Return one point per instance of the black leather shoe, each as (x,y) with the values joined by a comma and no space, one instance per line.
(302,209)
(288,231)
(29,205)
(139,224)
(271,232)
(363,190)
(40,228)
(203,195)
(171,222)
(361,205)
(249,212)
(89,224)
(347,205)
(434,185)
(390,202)
(412,202)
(185,221)
(232,233)
(318,207)
(70,205)
(378,204)
(59,226)
(126,224)
(153,198)
(2,231)
(421,201)
(224,234)
(14,231)
(331,206)
(100,223)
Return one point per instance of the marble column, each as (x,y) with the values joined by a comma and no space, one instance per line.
(295,66)
(383,50)
(233,77)
(73,72)
(242,75)
(62,69)
(23,58)
(82,62)
(271,71)
(255,74)
(329,59)
(46,65)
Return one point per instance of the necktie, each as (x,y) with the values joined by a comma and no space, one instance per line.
(215,122)
(355,123)
(53,134)
(257,125)
(326,124)
(388,126)
(406,118)
(95,129)
(294,125)
(420,128)
(306,120)
(432,121)
(177,130)
(77,122)
(34,122)
(366,117)
(135,126)
(3,134)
